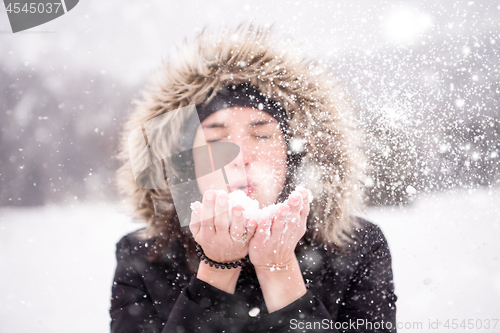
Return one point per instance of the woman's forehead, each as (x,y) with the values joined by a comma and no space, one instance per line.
(237,115)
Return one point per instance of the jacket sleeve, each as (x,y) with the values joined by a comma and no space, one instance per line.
(212,310)
(204,308)
(370,300)
(131,307)
(294,317)
(199,307)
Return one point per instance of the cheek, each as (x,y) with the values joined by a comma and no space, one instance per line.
(274,158)
(273,172)
(278,155)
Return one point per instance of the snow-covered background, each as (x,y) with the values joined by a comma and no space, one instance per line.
(423,74)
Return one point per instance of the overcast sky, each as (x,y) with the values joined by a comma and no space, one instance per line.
(130,40)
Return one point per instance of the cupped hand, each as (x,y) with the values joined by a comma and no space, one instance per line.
(273,245)
(210,228)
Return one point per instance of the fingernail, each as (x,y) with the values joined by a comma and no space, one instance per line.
(210,196)
(295,201)
(236,212)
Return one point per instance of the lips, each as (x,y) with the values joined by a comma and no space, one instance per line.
(251,187)
(246,187)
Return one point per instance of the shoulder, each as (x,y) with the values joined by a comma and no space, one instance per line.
(371,238)
(139,247)
(136,236)
(134,244)
(368,229)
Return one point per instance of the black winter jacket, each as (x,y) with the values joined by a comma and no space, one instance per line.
(345,293)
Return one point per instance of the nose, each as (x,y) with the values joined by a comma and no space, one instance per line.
(247,153)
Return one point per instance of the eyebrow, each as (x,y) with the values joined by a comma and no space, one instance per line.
(252,124)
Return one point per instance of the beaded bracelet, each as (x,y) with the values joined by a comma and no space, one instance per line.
(217,264)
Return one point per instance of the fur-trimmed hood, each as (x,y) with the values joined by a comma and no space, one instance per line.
(314,102)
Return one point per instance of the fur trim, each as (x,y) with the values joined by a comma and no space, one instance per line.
(316,107)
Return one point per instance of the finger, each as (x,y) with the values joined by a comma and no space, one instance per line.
(237,228)
(293,217)
(221,219)
(195,223)
(305,195)
(251,228)
(295,202)
(207,214)
(263,230)
(304,212)
(279,222)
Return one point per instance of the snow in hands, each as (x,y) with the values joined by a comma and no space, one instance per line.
(251,206)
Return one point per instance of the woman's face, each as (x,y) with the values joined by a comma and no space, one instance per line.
(260,168)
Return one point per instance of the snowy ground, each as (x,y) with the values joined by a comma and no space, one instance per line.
(446,259)
(57,263)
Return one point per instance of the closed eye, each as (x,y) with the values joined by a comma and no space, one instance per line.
(256,136)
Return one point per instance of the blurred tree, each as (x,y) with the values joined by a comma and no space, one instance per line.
(57,137)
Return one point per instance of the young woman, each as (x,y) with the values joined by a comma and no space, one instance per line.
(311,266)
